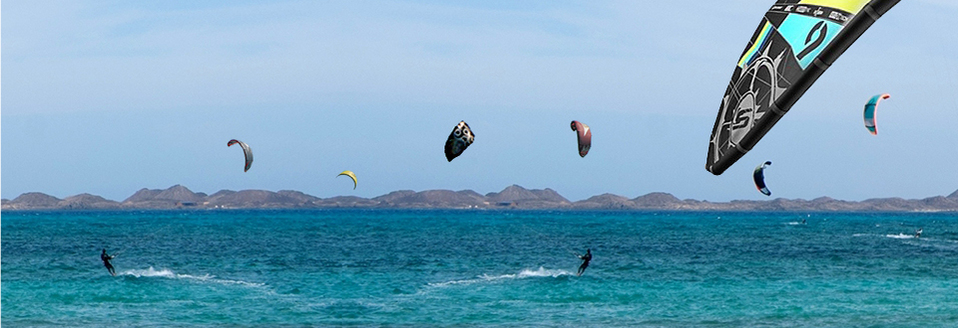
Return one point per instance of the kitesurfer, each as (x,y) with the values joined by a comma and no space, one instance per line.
(106,262)
(918,233)
(585,261)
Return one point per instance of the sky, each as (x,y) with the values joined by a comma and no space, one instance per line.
(107,97)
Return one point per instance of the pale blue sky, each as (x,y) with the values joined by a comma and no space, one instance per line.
(110,97)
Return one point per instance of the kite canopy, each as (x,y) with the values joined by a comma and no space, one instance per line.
(796,41)
(248,153)
(869,113)
(585,137)
(759,177)
(460,138)
(351,175)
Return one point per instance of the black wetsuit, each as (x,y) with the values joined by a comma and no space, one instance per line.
(585,262)
(106,262)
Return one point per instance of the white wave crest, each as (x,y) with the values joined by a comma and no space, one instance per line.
(166,273)
(525,273)
(543,272)
(900,236)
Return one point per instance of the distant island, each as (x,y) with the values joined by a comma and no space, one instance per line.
(512,197)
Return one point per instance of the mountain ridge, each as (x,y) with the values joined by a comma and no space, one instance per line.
(512,197)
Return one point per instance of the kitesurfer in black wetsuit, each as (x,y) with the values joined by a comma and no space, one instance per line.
(918,233)
(106,262)
(585,261)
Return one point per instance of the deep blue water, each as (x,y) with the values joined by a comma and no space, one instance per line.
(478,268)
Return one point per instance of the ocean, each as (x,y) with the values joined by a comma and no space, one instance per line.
(414,268)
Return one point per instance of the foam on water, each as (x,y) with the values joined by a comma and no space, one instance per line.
(525,273)
(167,273)
(893,236)
(900,236)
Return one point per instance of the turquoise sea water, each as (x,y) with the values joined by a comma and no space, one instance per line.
(478,268)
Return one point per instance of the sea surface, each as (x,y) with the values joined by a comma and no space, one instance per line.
(414,268)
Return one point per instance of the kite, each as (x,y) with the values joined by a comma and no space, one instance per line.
(759,177)
(460,138)
(869,113)
(585,137)
(246,152)
(351,175)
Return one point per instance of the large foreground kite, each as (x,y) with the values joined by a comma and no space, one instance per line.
(794,44)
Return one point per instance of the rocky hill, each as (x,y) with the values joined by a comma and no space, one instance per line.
(32,200)
(518,197)
(512,197)
(87,202)
(431,199)
(175,196)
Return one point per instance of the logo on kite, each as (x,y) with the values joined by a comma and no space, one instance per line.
(248,153)
(869,113)
(351,175)
(584,135)
(759,177)
(460,138)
